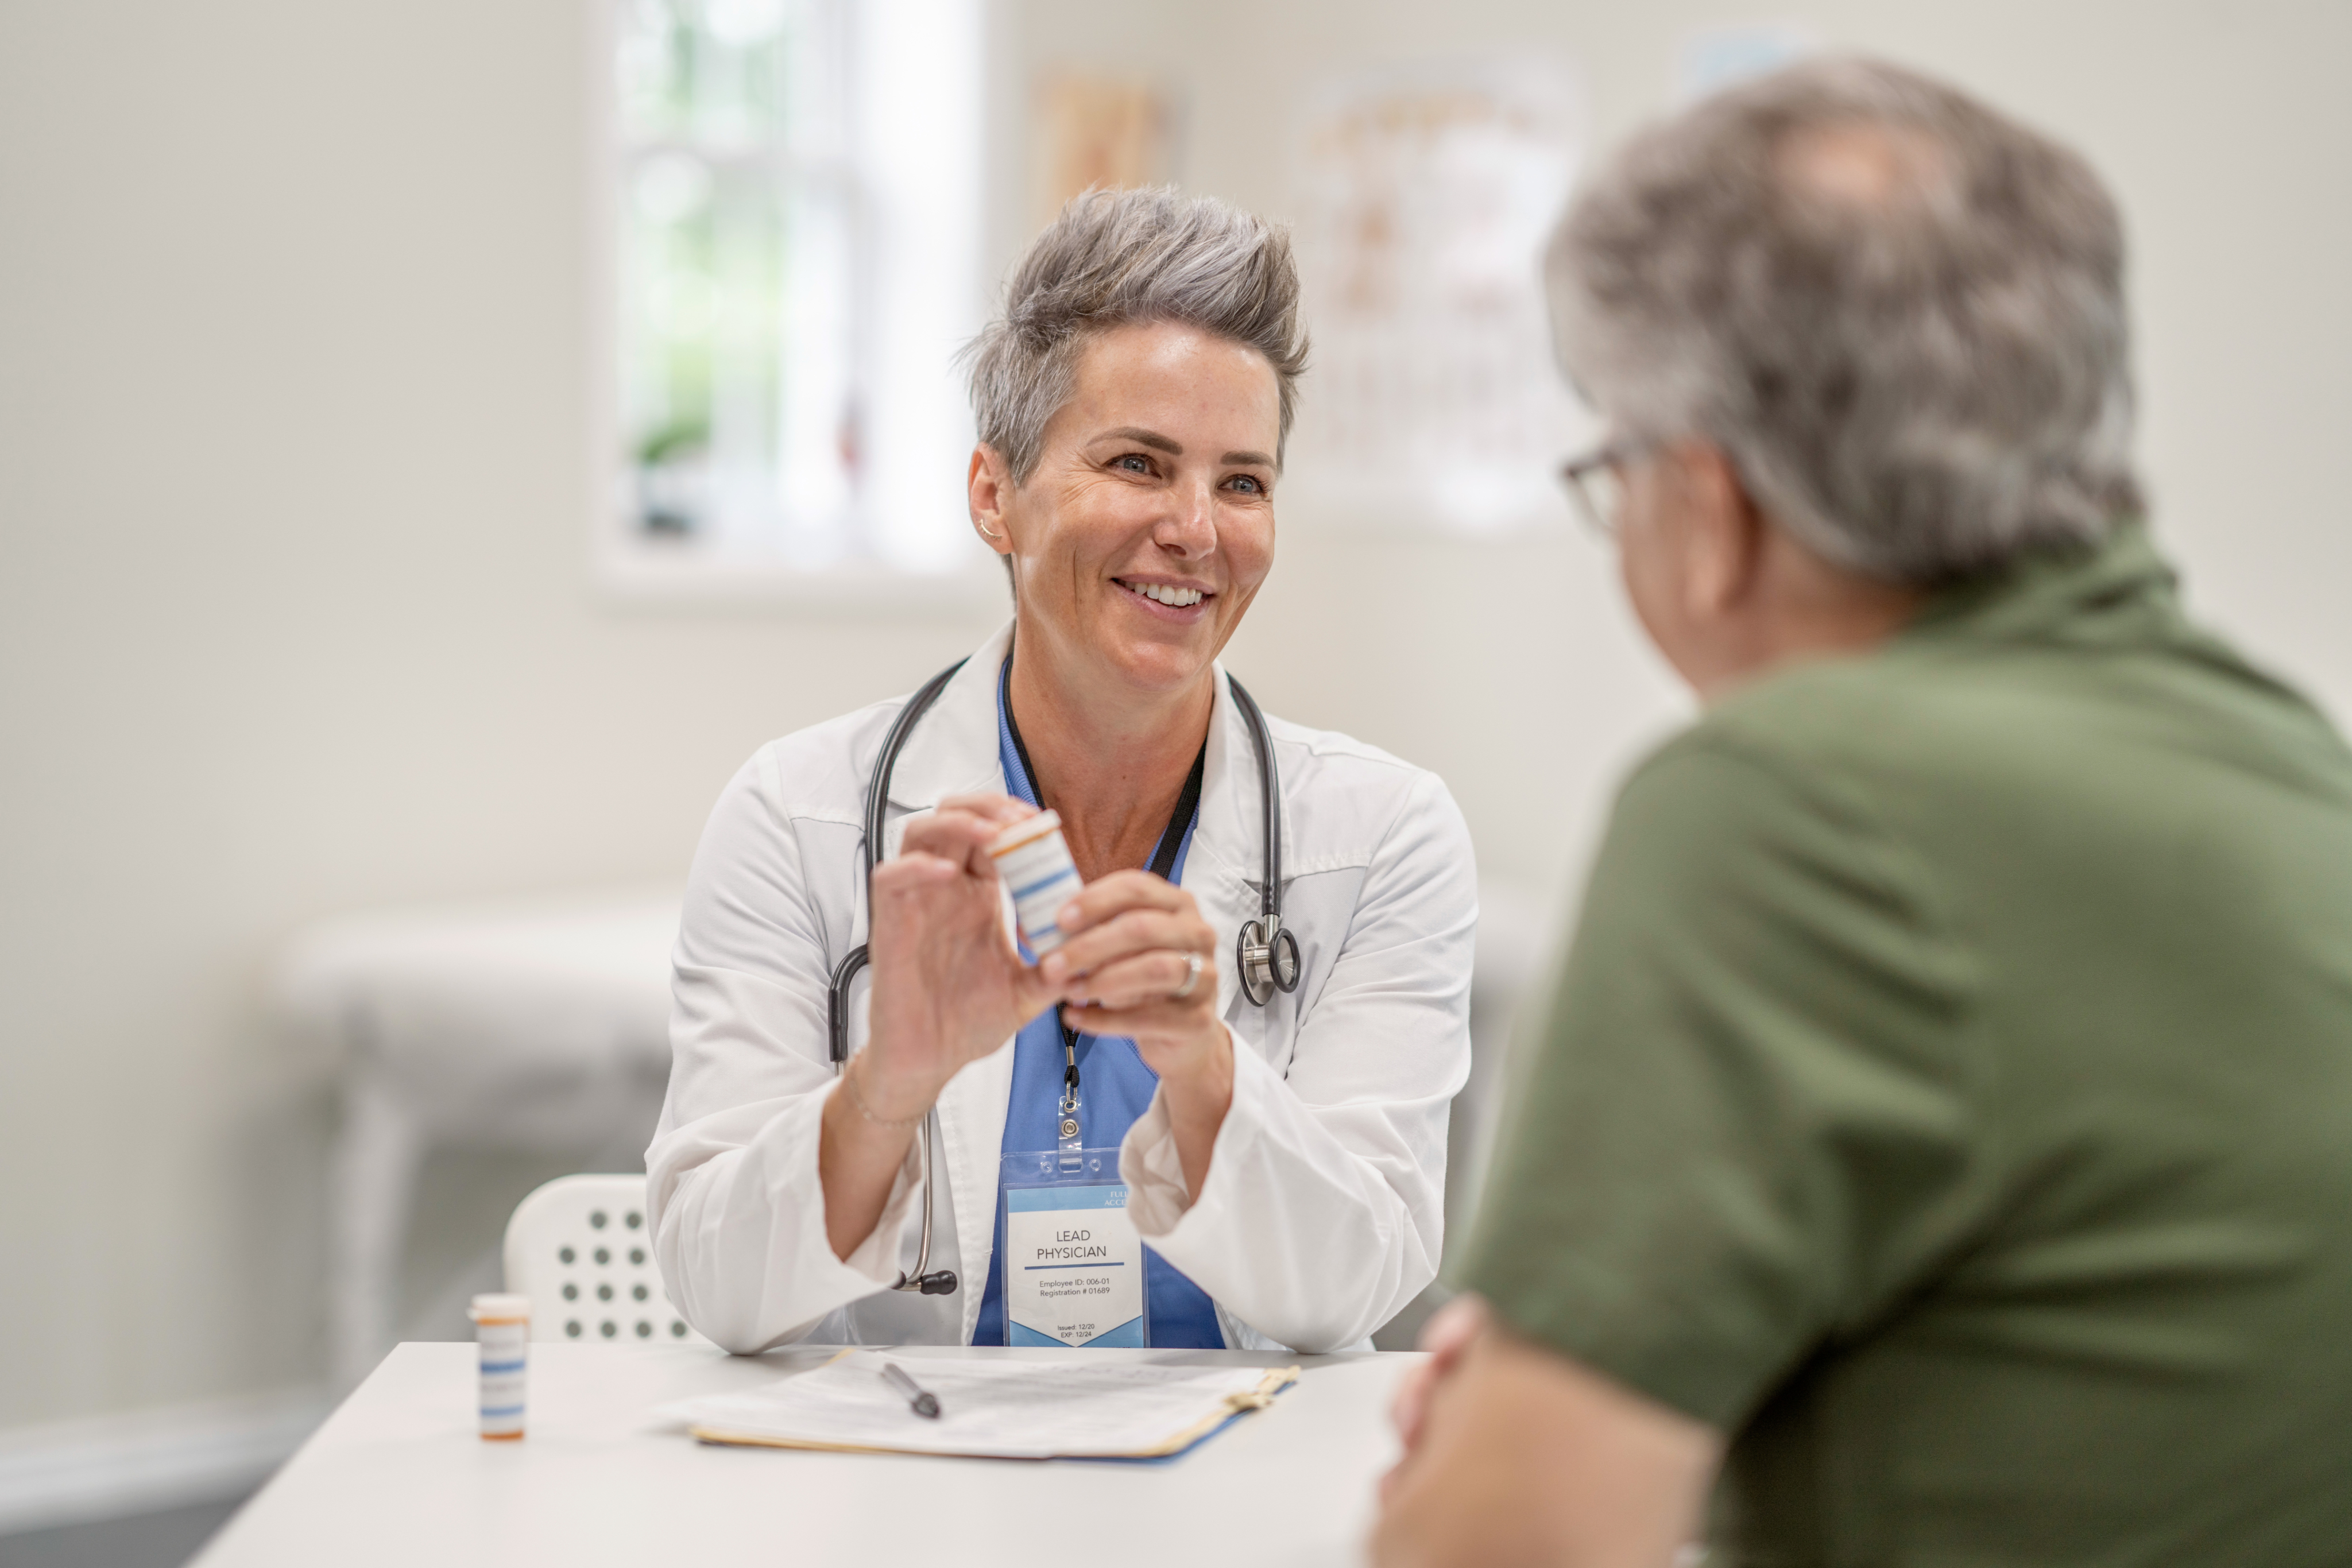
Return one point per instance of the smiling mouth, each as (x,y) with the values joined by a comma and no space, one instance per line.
(1161,593)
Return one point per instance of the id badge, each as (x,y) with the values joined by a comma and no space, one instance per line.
(1073,1259)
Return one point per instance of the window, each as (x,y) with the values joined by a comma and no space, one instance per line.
(796,224)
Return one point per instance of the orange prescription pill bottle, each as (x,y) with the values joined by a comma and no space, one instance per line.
(1035,863)
(502,1331)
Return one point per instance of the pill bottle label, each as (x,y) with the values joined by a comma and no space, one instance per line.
(506,1352)
(1035,864)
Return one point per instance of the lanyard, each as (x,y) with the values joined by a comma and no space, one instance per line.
(1164,862)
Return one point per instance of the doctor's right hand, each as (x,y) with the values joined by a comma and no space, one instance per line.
(949,985)
(948,988)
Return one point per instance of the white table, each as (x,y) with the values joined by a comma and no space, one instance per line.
(397,1476)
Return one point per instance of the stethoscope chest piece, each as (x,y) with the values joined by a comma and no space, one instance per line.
(1265,966)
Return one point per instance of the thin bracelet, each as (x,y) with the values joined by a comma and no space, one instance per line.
(858,1100)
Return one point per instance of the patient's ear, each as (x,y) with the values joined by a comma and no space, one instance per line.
(1724,533)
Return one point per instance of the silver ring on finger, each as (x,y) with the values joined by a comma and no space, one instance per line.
(1191,978)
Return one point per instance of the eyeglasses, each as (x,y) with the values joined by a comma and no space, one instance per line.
(1596,484)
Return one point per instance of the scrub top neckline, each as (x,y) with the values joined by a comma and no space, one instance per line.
(1179,822)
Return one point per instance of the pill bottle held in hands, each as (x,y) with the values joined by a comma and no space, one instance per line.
(502,1331)
(1035,863)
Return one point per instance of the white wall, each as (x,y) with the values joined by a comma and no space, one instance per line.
(295,616)
(294,606)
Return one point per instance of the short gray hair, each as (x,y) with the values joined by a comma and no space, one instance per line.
(1900,314)
(1119,258)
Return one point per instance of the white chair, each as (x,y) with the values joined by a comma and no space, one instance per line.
(578,1248)
(541,1027)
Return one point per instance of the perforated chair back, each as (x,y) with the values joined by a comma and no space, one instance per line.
(579,1247)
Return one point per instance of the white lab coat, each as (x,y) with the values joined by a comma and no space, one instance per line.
(1322,1213)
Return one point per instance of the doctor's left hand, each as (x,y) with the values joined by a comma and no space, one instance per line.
(1141,962)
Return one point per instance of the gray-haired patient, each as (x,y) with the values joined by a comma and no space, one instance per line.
(1940,1143)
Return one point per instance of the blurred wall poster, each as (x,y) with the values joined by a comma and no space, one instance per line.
(1424,197)
(1116,132)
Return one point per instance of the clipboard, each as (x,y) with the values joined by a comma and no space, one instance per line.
(1040,1409)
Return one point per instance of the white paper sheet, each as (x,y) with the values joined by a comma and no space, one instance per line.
(1026,1409)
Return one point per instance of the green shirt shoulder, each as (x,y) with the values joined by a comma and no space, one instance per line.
(1949,1091)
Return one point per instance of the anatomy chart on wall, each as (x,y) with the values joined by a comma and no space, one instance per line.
(1424,196)
(1089,130)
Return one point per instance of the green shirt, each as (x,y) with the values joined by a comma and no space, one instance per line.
(1948,1095)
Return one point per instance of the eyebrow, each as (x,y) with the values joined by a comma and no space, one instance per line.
(1151,438)
(1159,443)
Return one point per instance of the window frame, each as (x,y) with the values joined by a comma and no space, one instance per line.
(919,231)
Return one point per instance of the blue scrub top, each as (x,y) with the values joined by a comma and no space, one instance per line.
(1115,1086)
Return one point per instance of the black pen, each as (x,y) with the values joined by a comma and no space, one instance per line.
(924,1405)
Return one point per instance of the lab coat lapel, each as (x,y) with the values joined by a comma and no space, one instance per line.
(972,1109)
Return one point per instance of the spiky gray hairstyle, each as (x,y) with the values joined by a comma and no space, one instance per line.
(1117,257)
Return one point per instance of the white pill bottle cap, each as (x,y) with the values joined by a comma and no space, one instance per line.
(1028,829)
(500,1307)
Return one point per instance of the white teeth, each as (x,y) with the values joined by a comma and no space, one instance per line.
(1171,596)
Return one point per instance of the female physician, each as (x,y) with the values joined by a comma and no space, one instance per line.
(1285,1163)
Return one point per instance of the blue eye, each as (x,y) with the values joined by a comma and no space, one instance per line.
(1250,480)
(1135,462)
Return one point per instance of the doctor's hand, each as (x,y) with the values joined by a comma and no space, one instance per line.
(948,988)
(948,984)
(1141,961)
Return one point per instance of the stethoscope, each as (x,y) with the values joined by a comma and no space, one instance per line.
(1265,955)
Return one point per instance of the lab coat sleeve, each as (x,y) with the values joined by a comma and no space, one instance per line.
(1323,1211)
(731,1176)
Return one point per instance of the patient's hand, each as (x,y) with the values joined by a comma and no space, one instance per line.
(1444,1336)
(1518,1457)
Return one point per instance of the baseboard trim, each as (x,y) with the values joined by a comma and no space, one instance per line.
(106,1466)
